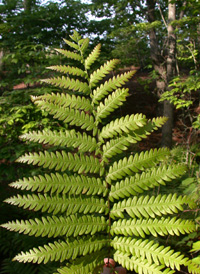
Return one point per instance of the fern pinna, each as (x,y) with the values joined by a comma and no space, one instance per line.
(97,202)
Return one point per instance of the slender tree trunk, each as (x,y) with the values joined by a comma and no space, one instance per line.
(156,56)
(171,65)
(1,61)
(28,5)
(165,70)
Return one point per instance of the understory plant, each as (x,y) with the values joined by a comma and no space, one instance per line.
(96,198)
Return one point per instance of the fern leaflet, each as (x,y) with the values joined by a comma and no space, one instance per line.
(69,70)
(146,180)
(155,227)
(60,251)
(111,103)
(64,100)
(62,183)
(136,163)
(57,204)
(145,206)
(68,83)
(110,85)
(69,54)
(99,74)
(149,250)
(139,265)
(62,161)
(92,56)
(124,124)
(59,226)
(69,138)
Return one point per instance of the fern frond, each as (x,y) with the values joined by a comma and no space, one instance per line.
(60,251)
(163,226)
(92,56)
(62,161)
(136,163)
(64,100)
(69,70)
(140,266)
(145,206)
(59,226)
(110,85)
(69,138)
(87,264)
(112,102)
(57,204)
(62,183)
(124,124)
(150,250)
(68,83)
(99,74)
(146,180)
(70,54)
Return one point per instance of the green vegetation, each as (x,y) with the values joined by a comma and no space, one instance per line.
(141,35)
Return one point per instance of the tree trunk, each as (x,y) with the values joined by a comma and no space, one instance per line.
(28,5)
(171,64)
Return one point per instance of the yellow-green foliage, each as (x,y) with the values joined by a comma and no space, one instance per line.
(94,204)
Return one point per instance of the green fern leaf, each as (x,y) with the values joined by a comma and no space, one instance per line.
(71,44)
(92,57)
(111,103)
(59,226)
(69,115)
(146,180)
(83,265)
(145,206)
(124,124)
(62,161)
(139,265)
(193,268)
(149,250)
(99,74)
(62,183)
(68,83)
(136,163)
(116,146)
(155,227)
(70,54)
(64,100)
(57,204)
(69,70)
(69,138)
(110,85)
(60,251)
(76,37)
(84,43)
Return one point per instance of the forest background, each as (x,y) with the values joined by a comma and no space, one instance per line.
(160,39)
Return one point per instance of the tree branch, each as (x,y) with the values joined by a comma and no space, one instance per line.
(163,18)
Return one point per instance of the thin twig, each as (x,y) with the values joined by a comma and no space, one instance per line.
(162,15)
